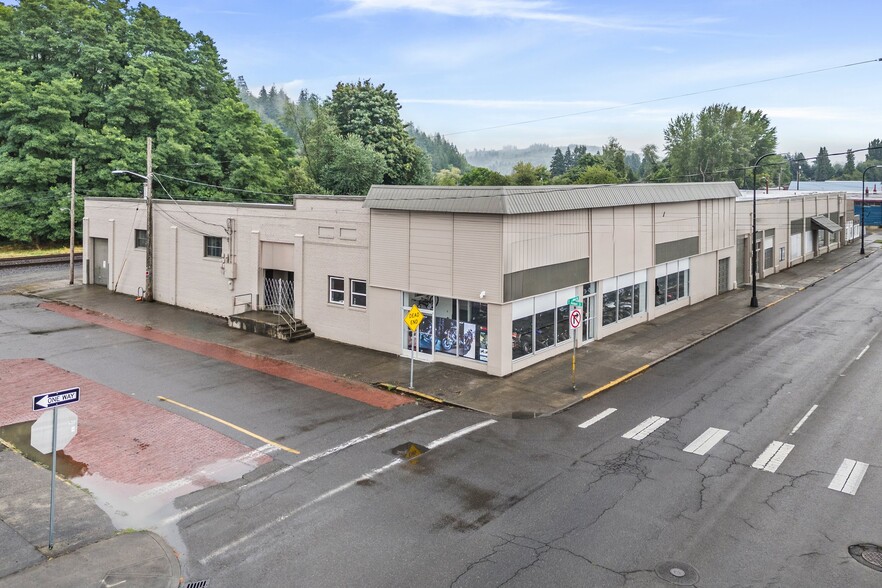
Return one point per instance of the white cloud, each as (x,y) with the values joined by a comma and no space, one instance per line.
(513,104)
(532,10)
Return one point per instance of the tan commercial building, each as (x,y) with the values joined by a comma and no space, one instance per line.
(492,269)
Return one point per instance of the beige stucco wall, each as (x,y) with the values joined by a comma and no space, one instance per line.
(329,236)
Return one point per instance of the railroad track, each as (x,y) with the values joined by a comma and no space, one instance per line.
(38,260)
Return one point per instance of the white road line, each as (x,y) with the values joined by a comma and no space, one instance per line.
(645,428)
(861,354)
(185,513)
(705,441)
(773,456)
(804,419)
(371,474)
(596,418)
(849,476)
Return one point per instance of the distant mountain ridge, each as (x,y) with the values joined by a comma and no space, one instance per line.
(503,160)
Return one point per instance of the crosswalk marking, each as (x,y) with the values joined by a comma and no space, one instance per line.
(705,441)
(645,428)
(773,456)
(849,476)
(596,418)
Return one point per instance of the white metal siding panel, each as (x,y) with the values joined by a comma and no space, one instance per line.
(540,239)
(644,248)
(431,253)
(390,249)
(676,221)
(477,257)
(624,239)
(602,244)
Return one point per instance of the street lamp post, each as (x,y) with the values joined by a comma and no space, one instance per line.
(148,194)
(753,301)
(863,202)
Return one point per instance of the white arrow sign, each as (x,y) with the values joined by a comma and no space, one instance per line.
(59,398)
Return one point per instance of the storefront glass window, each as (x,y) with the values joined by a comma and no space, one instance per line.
(545,329)
(454,327)
(540,322)
(609,308)
(624,296)
(563,323)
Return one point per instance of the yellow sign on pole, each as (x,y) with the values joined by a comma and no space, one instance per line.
(413,318)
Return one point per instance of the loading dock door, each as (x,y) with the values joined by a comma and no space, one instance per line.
(100,266)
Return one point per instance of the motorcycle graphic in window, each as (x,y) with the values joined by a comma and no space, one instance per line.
(455,338)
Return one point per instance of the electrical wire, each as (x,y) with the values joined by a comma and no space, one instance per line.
(654,100)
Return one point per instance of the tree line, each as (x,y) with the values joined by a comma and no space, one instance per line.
(92,79)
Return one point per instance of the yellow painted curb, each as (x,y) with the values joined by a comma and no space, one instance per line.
(615,382)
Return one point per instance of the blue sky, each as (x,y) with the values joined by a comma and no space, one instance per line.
(458,66)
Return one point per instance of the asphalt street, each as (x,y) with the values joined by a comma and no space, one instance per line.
(737,462)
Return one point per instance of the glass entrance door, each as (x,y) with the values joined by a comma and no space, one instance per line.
(588,304)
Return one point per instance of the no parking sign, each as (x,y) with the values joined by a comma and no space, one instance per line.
(575,318)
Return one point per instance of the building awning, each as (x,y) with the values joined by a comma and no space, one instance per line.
(826,224)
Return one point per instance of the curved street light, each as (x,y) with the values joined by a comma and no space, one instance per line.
(863,200)
(753,301)
(148,182)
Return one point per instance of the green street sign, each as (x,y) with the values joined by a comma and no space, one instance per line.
(574,301)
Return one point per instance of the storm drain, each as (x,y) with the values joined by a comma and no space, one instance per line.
(196,584)
(868,554)
(409,450)
(677,573)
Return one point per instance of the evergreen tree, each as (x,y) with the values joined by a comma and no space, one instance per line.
(558,166)
(848,169)
(568,160)
(874,150)
(823,169)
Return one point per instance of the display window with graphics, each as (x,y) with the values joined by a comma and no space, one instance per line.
(449,326)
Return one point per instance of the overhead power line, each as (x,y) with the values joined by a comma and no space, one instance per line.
(654,100)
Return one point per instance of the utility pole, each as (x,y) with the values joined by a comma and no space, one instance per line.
(73,180)
(148,282)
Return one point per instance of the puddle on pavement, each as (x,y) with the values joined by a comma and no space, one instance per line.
(19,436)
(132,506)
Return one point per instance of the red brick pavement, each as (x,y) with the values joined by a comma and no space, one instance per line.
(120,438)
(294,373)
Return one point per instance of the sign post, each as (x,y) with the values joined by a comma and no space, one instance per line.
(575,321)
(53,400)
(413,319)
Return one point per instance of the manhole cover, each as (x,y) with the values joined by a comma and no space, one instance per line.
(677,572)
(868,554)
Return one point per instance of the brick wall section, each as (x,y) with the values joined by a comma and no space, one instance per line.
(119,437)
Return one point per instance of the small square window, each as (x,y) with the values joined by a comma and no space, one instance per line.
(214,247)
(358,293)
(140,239)
(336,293)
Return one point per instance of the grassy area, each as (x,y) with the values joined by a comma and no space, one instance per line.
(19,251)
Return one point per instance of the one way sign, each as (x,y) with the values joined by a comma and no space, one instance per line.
(53,399)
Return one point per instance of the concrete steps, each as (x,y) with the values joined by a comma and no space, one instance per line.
(268,324)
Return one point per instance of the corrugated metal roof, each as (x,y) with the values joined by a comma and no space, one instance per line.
(529,199)
(826,223)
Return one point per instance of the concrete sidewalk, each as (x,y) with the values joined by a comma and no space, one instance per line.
(87,550)
(539,390)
